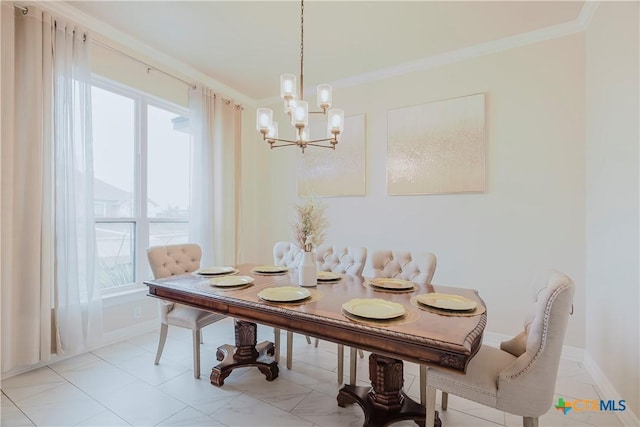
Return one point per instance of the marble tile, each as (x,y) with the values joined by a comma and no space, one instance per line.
(324,410)
(97,378)
(199,394)
(247,411)
(575,389)
(472,408)
(142,367)
(120,352)
(64,405)
(454,418)
(280,393)
(190,417)
(139,403)
(105,418)
(10,415)
(31,383)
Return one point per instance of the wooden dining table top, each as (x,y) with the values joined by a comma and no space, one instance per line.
(420,336)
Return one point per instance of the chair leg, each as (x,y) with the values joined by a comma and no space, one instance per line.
(445,400)
(276,344)
(530,421)
(423,383)
(196,353)
(361,354)
(353,361)
(430,406)
(315,344)
(163,338)
(308,339)
(340,363)
(289,348)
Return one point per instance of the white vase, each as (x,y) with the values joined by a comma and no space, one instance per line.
(307,270)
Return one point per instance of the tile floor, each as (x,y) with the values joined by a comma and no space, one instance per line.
(118,385)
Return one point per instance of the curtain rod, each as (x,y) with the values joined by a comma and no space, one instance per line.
(149,67)
(24,9)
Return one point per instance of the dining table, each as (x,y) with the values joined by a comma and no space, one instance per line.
(423,334)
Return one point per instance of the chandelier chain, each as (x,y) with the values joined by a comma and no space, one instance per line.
(301,49)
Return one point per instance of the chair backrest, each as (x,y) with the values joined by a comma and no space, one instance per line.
(349,260)
(538,348)
(287,254)
(172,260)
(418,268)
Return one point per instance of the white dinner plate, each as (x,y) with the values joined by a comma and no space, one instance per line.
(374,308)
(270,269)
(447,301)
(216,271)
(396,284)
(284,294)
(328,276)
(229,281)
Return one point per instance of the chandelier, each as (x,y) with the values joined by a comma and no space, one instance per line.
(298,112)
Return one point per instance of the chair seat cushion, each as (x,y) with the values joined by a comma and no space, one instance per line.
(480,381)
(192,318)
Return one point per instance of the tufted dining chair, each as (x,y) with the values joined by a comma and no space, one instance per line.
(288,254)
(173,260)
(520,376)
(418,268)
(345,260)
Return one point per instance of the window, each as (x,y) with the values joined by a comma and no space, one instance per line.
(142,169)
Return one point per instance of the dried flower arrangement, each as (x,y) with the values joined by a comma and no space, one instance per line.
(311,223)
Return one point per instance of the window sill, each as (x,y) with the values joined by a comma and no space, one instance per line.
(133,293)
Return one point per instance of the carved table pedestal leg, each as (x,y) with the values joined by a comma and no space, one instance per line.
(245,353)
(384,402)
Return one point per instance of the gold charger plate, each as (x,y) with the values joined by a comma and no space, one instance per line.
(328,276)
(230,281)
(270,269)
(447,302)
(394,284)
(216,271)
(374,308)
(284,294)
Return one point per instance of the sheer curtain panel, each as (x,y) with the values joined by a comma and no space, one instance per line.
(78,304)
(215,131)
(26,210)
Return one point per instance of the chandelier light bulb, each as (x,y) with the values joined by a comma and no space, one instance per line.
(300,114)
(288,86)
(324,96)
(264,118)
(336,120)
(273,131)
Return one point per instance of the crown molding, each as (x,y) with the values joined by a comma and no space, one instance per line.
(109,35)
(577,25)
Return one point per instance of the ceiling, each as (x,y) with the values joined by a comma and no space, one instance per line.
(246,45)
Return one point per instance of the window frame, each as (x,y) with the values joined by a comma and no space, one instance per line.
(140,219)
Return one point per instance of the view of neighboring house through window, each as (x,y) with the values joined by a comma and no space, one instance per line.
(142,171)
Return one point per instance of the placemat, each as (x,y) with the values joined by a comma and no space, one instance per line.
(475,312)
(367,284)
(409,317)
(315,296)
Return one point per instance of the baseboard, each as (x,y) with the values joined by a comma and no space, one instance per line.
(606,389)
(107,339)
(130,332)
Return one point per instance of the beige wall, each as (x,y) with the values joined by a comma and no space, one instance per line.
(612,178)
(531,216)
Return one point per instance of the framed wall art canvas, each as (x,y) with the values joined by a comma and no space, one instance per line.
(437,148)
(339,172)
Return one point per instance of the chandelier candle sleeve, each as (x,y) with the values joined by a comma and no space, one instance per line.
(264,119)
